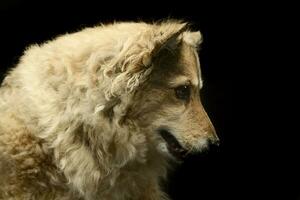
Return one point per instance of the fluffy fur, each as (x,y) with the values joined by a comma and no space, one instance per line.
(80,114)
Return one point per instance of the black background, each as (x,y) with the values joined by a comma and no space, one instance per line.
(217,174)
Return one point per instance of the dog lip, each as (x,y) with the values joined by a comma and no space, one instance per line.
(173,145)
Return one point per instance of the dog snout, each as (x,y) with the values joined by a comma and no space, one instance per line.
(212,137)
(208,127)
(214,141)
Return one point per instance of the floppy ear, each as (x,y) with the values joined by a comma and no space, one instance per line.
(133,64)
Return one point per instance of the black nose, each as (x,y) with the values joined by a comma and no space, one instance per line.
(213,146)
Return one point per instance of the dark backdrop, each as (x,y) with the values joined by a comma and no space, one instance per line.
(213,175)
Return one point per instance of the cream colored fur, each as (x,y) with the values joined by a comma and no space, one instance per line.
(78,114)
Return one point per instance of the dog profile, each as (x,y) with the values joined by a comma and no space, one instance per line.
(98,114)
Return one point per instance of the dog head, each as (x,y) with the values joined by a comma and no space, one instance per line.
(160,74)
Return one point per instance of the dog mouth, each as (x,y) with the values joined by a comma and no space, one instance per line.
(173,145)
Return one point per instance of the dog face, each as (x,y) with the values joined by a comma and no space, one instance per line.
(157,78)
(168,105)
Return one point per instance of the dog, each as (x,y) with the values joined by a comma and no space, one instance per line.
(101,113)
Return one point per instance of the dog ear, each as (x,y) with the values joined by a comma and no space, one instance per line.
(133,64)
(163,36)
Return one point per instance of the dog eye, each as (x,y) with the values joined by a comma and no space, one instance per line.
(182,92)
